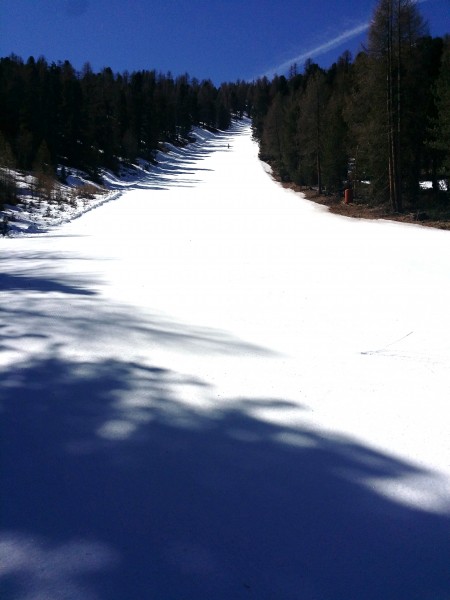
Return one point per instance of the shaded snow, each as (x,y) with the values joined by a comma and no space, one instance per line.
(212,388)
(34,214)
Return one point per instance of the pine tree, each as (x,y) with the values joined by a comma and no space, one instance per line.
(272,137)
(335,145)
(395,29)
(8,186)
(442,127)
(44,172)
(312,109)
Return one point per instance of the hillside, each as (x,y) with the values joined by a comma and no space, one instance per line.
(213,388)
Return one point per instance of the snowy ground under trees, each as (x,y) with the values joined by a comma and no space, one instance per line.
(214,389)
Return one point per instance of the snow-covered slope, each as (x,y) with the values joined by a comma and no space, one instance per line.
(37,212)
(214,389)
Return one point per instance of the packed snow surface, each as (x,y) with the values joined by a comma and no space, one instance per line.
(213,389)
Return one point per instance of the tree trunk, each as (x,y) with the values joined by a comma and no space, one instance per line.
(393,78)
(390,116)
(319,140)
(398,183)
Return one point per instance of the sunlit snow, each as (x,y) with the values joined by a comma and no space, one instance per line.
(212,388)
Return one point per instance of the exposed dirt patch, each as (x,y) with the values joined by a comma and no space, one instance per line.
(363,211)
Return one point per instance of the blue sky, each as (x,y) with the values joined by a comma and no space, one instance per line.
(223,40)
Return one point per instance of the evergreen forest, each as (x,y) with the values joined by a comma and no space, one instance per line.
(51,114)
(378,124)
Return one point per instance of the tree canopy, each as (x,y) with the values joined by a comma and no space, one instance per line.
(379,123)
(89,120)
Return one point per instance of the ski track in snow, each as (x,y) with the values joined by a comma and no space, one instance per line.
(212,388)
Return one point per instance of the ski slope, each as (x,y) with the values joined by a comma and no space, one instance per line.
(213,389)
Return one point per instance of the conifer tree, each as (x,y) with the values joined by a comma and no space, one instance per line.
(312,109)
(442,126)
(394,32)
(44,172)
(8,187)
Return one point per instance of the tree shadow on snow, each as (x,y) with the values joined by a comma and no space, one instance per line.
(114,486)
(172,166)
(14,283)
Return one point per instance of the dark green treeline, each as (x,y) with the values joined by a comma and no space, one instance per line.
(51,114)
(380,123)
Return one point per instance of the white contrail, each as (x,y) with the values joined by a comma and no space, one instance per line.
(348,34)
(321,49)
